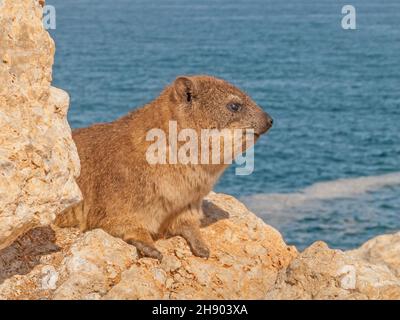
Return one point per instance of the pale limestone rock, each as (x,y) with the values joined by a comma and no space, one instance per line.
(95,265)
(38,159)
(50,278)
(384,250)
(370,272)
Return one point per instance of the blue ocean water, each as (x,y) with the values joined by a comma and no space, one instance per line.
(334,95)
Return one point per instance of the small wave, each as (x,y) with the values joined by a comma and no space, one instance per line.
(342,188)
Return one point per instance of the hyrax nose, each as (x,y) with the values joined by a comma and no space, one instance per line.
(266,123)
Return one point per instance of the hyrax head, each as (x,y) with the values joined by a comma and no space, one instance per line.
(213,103)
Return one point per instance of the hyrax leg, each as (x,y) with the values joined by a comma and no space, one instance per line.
(139,237)
(187,225)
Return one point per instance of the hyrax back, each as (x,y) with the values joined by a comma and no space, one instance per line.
(137,201)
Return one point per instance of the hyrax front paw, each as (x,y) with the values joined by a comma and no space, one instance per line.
(146,250)
(199,248)
(151,252)
(191,233)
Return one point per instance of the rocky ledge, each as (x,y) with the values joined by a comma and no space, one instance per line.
(246,255)
(38,167)
(249,260)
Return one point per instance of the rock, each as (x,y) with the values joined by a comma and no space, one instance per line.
(95,265)
(370,272)
(36,258)
(38,159)
(50,278)
(384,250)
(25,253)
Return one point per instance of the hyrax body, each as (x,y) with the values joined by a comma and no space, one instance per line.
(137,201)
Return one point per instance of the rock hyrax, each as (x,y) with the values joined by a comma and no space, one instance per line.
(140,202)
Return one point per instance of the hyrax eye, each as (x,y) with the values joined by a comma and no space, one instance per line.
(234,107)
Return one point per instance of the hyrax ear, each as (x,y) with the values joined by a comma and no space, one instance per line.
(185,89)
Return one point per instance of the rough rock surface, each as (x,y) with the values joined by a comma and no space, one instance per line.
(38,159)
(246,255)
(370,272)
(382,250)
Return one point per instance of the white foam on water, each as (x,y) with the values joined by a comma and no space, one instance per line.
(337,189)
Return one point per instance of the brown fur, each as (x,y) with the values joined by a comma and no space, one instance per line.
(138,202)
